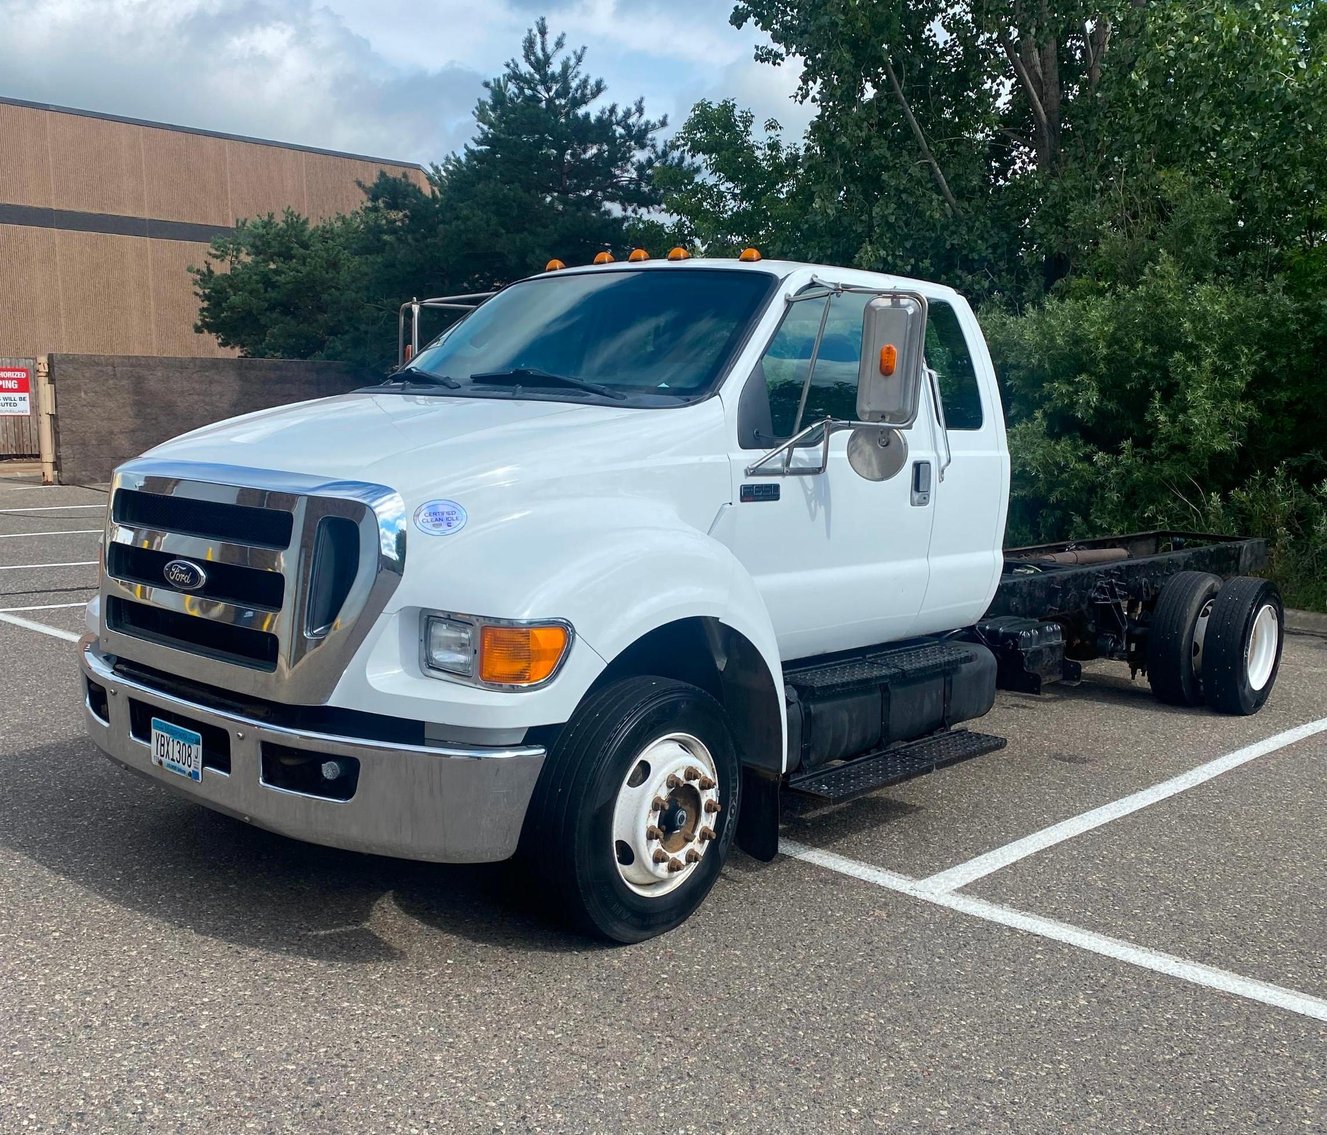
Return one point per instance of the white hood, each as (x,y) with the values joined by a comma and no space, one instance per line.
(426,445)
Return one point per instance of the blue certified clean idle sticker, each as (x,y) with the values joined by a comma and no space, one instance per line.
(440,518)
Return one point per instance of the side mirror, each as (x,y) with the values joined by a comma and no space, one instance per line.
(889,380)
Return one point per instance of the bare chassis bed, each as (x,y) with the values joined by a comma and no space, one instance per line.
(1098,609)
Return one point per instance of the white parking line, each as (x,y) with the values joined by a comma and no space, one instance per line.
(1290,1000)
(29,625)
(964,873)
(66,532)
(53,507)
(74,563)
(42,607)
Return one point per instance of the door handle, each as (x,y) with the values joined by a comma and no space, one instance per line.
(921,483)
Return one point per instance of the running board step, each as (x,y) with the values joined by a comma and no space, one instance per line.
(865,774)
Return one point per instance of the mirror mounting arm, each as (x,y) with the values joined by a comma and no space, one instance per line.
(829,426)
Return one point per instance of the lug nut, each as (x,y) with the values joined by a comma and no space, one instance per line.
(674,866)
(693,856)
(660,855)
(659,803)
(674,781)
(706,834)
(706,783)
(712,806)
(653,833)
(692,773)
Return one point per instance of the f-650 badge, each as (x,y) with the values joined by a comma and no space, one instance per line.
(184,576)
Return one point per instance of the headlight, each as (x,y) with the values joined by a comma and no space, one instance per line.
(449,646)
(494,652)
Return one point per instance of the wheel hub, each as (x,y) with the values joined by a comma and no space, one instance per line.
(666,814)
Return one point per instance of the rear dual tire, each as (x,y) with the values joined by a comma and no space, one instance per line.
(1242,655)
(1215,644)
(1177,636)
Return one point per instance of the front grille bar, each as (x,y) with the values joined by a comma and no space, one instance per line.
(285,573)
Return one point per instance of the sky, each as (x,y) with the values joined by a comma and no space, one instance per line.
(388,78)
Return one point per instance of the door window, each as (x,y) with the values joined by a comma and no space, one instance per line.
(947,354)
(788,358)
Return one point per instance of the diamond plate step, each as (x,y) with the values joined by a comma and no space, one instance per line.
(890,766)
(914,662)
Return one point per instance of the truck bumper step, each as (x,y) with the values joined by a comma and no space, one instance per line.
(865,774)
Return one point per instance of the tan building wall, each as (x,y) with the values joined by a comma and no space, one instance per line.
(101,217)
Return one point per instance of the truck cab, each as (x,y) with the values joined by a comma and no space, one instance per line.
(622,554)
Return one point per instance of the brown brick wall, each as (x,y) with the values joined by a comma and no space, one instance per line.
(110,408)
(64,290)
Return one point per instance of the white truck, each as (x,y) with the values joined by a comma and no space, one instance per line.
(622,555)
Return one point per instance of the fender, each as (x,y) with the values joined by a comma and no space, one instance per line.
(616,568)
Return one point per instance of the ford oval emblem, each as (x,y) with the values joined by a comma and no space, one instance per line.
(184,576)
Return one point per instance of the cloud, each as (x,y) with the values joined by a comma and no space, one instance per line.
(392,78)
(289,71)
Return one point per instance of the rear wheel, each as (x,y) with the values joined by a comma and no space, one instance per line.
(1177,636)
(635,809)
(1243,649)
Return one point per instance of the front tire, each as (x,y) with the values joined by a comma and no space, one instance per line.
(1243,650)
(635,809)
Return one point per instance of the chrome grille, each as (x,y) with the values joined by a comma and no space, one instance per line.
(282,574)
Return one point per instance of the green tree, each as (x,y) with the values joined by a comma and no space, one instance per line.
(734,187)
(1131,190)
(553,171)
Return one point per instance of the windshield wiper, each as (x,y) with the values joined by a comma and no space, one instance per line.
(533,376)
(415,376)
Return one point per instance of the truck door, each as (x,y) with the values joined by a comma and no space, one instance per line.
(972,496)
(841,561)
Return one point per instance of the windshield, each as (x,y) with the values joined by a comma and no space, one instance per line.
(639,337)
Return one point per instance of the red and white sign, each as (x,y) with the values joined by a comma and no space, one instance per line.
(15,392)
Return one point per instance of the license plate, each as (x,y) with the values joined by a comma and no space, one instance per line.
(177,750)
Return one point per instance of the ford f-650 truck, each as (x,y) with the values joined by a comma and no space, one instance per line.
(624,554)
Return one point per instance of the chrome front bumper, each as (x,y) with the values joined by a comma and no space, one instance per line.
(443,804)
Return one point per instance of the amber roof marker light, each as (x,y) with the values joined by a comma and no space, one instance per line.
(749,255)
(603,258)
(554,265)
(678,253)
(637,255)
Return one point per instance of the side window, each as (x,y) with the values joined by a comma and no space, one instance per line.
(834,388)
(947,355)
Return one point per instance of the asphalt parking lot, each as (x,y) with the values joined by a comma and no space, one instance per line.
(1119,922)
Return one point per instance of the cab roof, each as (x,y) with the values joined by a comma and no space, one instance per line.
(783,269)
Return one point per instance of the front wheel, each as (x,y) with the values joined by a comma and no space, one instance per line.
(635,809)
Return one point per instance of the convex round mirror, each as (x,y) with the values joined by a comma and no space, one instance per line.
(877,452)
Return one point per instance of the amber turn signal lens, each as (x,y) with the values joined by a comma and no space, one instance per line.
(520,656)
(888,359)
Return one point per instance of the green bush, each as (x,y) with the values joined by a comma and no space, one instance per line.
(1294,521)
(1172,403)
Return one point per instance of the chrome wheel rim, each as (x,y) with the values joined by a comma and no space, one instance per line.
(665,814)
(1260,655)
